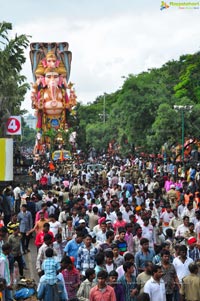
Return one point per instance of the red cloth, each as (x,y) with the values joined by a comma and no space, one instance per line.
(39,239)
(43,181)
(119,224)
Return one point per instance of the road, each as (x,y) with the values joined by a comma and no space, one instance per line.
(30,259)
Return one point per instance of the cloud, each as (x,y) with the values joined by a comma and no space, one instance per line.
(109,44)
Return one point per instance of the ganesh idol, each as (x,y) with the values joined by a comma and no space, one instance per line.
(51,70)
(49,96)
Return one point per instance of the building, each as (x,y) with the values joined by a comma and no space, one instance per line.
(30,121)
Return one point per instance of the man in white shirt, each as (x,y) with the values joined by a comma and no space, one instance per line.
(55,226)
(149,184)
(183,228)
(126,213)
(149,200)
(196,219)
(181,263)
(101,235)
(147,231)
(166,216)
(189,211)
(181,208)
(155,286)
(17,192)
(110,215)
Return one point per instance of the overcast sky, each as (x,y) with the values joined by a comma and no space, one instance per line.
(109,39)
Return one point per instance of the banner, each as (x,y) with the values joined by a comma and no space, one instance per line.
(6,159)
(14,125)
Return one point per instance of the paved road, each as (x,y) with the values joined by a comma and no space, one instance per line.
(30,259)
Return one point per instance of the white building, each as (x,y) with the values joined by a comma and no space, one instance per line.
(30,121)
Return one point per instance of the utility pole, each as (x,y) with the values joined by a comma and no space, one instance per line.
(104,108)
(183,109)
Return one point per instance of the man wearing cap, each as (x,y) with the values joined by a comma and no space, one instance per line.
(109,225)
(82,224)
(138,215)
(193,251)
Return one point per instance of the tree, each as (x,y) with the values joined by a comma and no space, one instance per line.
(12,84)
(141,113)
(28,137)
(96,136)
(189,82)
(165,128)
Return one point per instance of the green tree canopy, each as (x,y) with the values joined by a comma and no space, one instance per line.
(142,113)
(13,85)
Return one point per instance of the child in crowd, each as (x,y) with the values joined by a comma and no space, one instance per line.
(118,259)
(50,267)
(58,246)
(121,242)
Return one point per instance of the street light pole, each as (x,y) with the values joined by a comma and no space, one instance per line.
(183,109)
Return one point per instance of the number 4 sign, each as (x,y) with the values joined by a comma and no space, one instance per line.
(14,125)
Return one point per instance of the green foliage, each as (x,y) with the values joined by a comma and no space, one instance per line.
(141,113)
(28,137)
(189,83)
(97,135)
(12,84)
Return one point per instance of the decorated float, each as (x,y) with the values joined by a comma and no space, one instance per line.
(53,96)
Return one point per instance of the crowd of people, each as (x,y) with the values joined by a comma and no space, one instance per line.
(127,232)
